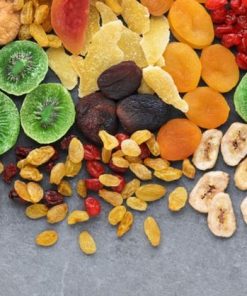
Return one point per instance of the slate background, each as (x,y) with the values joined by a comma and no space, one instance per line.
(189,262)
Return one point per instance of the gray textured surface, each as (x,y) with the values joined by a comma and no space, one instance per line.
(189,262)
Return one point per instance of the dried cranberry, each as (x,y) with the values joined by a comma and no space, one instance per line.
(120,187)
(244,3)
(22,152)
(242,47)
(235,4)
(241,60)
(242,21)
(145,152)
(10,171)
(116,169)
(218,15)
(223,29)
(65,142)
(52,198)
(240,10)
(229,40)
(92,206)
(230,18)
(93,184)
(95,168)
(215,4)
(91,152)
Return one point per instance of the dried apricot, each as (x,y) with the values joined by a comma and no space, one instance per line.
(190,23)
(207,108)
(178,139)
(157,7)
(219,68)
(183,64)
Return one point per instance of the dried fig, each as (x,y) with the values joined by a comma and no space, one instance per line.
(94,113)
(138,112)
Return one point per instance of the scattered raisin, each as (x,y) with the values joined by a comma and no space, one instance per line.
(93,184)
(91,152)
(22,152)
(93,206)
(52,198)
(95,168)
(66,141)
(10,171)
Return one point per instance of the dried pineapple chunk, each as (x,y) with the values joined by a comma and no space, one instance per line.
(106,13)
(136,16)
(103,53)
(163,85)
(154,42)
(59,62)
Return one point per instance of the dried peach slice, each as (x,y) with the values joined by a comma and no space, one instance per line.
(183,64)
(103,53)
(207,108)
(178,139)
(190,23)
(136,16)
(163,85)
(154,42)
(157,7)
(219,68)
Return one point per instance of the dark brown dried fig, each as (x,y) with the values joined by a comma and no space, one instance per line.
(94,113)
(139,112)
(120,81)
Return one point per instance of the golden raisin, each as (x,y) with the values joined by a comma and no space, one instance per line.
(46,238)
(57,213)
(141,136)
(81,188)
(64,188)
(156,164)
(116,215)
(125,224)
(150,192)
(169,174)
(110,142)
(36,211)
(177,199)
(31,173)
(57,173)
(109,180)
(130,148)
(76,151)
(113,198)
(136,204)
(87,243)
(188,169)
(152,231)
(35,191)
(77,216)
(140,171)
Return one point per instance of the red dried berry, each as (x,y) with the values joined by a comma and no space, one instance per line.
(116,169)
(230,18)
(218,15)
(235,4)
(230,40)
(121,137)
(93,184)
(91,152)
(241,60)
(120,187)
(9,172)
(215,4)
(65,142)
(244,2)
(242,21)
(95,168)
(242,47)
(145,152)
(92,206)
(223,29)
(22,152)
(52,198)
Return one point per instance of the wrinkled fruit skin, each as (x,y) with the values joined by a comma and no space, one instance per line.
(10,171)
(22,152)
(139,112)
(92,206)
(120,81)
(95,168)
(52,198)
(94,113)
(91,152)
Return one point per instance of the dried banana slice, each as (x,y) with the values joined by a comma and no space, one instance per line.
(240,176)
(243,208)
(221,217)
(163,85)
(207,152)
(234,143)
(206,188)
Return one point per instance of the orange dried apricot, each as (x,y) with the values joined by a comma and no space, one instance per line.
(190,23)
(184,65)
(157,7)
(207,107)
(219,68)
(178,139)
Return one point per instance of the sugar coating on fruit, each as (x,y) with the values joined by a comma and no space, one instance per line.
(163,85)
(219,68)
(59,62)
(106,13)
(92,28)
(136,16)
(134,52)
(190,23)
(184,65)
(103,53)
(154,42)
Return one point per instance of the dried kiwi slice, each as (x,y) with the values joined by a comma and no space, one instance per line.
(9,123)
(240,98)
(23,65)
(47,113)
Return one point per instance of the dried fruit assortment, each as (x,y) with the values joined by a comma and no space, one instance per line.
(131,79)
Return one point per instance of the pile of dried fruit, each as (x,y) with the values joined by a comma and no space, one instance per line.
(130,78)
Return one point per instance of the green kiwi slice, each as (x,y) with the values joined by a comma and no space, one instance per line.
(240,98)
(47,113)
(23,65)
(9,123)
